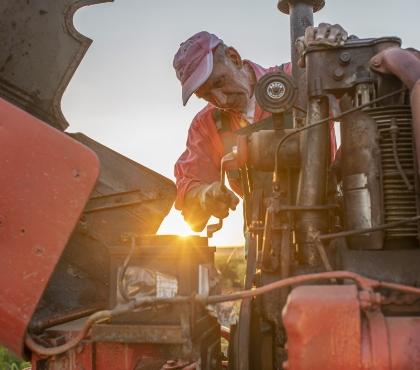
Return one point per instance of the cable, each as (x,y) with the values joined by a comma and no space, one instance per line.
(122,286)
(362,282)
(47,351)
(394,133)
(324,120)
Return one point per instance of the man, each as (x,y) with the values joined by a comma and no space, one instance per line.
(216,73)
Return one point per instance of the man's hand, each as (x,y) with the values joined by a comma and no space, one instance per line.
(217,200)
(207,200)
(323,35)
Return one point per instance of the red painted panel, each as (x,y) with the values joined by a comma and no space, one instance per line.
(45,181)
(79,358)
(323,328)
(123,356)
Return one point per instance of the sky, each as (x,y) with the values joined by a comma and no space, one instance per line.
(125,93)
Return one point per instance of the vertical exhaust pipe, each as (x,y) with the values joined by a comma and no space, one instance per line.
(314,156)
(301,17)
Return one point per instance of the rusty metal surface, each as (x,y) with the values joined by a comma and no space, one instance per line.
(415,108)
(323,327)
(163,334)
(39,51)
(399,266)
(337,327)
(361,170)
(104,356)
(376,341)
(81,357)
(404,342)
(37,326)
(121,356)
(313,179)
(262,146)
(127,198)
(44,173)
(283,5)
(338,70)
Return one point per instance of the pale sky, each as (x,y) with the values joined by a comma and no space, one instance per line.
(125,93)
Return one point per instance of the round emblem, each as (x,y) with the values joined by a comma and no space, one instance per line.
(276,90)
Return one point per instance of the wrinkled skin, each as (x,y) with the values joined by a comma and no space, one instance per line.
(231,83)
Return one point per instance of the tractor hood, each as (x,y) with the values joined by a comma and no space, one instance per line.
(55,236)
(39,51)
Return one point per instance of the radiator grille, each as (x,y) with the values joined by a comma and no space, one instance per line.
(399,201)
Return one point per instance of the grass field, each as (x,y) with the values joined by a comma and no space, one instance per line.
(9,362)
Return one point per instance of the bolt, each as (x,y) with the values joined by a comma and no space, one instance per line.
(338,74)
(39,251)
(345,57)
(376,62)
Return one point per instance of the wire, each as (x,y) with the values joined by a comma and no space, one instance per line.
(324,120)
(393,133)
(122,286)
(136,303)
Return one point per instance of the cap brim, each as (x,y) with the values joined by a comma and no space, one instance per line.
(198,77)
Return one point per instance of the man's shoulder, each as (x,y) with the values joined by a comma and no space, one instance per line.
(204,115)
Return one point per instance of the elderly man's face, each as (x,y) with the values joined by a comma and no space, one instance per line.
(229,86)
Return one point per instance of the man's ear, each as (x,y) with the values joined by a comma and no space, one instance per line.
(234,56)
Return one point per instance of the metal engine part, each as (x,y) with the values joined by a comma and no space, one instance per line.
(360,164)
(262,146)
(276,92)
(40,50)
(399,176)
(339,327)
(380,176)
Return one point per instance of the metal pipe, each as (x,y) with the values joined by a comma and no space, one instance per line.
(313,178)
(362,282)
(57,319)
(301,17)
